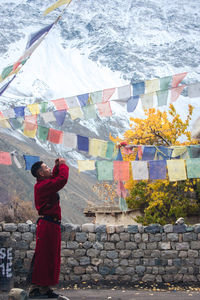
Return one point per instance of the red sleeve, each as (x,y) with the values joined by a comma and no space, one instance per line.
(55,184)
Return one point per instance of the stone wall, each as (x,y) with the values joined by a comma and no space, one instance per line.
(113,253)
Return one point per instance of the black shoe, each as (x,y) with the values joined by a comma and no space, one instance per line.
(35,294)
(51,294)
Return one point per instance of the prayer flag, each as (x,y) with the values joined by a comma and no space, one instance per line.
(97,148)
(9,113)
(107,94)
(82,143)
(56,5)
(121,191)
(14,156)
(19,111)
(96,97)
(31,119)
(147,100)
(179,151)
(149,153)
(132,103)
(4,87)
(138,88)
(69,140)
(162,97)
(72,102)
(30,132)
(86,165)
(55,136)
(152,86)
(83,99)
(75,113)
(176,169)
(165,83)
(176,79)
(43,107)
(140,170)
(122,204)
(60,116)
(119,155)
(157,169)
(48,117)
(163,153)
(42,133)
(34,108)
(16,123)
(175,92)
(105,170)
(193,167)
(104,109)
(110,149)
(5,158)
(36,35)
(140,151)
(6,71)
(121,170)
(60,104)
(89,112)
(194,151)
(194,90)
(124,92)
(30,160)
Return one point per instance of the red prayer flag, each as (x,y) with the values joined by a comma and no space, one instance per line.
(140,152)
(121,170)
(60,104)
(175,92)
(107,94)
(55,136)
(104,109)
(121,191)
(5,158)
(176,79)
(30,123)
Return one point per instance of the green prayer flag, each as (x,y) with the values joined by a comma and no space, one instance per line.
(194,151)
(96,97)
(110,149)
(89,112)
(105,170)
(193,167)
(165,82)
(43,107)
(162,97)
(42,133)
(122,204)
(6,71)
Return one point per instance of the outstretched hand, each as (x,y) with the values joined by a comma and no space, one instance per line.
(60,161)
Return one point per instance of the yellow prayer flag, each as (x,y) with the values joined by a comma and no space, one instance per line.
(97,148)
(30,133)
(34,108)
(152,86)
(56,5)
(4,123)
(176,169)
(85,165)
(179,151)
(75,113)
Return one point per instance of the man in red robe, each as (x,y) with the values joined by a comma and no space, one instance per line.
(45,266)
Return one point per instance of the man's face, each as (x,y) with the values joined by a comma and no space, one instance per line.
(45,171)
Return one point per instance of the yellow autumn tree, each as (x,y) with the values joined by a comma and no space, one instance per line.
(161,201)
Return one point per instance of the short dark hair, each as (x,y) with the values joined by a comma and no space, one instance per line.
(35,167)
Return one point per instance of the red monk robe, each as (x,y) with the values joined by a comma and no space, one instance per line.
(46,267)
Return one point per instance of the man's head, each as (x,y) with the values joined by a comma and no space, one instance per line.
(40,170)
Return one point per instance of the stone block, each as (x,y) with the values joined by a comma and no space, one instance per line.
(193,253)
(152,246)
(164,245)
(103,254)
(124,253)
(125,236)
(197,228)
(114,237)
(72,262)
(79,270)
(72,245)
(189,278)
(84,261)
(149,278)
(96,261)
(93,252)
(156,253)
(63,244)
(29,254)
(195,245)
(130,246)
(87,245)
(124,262)
(154,228)
(103,237)
(168,228)
(138,253)
(189,236)
(91,237)
(182,246)
(145,237)
(81,237)
(120,270)
(110,229)
(10,227)
(120,245)
(91,269)
(179,228)
(22,245)
(119,229)
(88,227)
(140,270)
(79,252)
(67,252)
(109,246)
(132,228)
(142,246)
(23,227)
(169,254)
(109,262)
(100,228)
(27,236)
(173,237)
(104,270)
(112,254)
(137,237)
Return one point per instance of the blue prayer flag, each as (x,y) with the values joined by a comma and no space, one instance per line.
(157,169)
(138,88)
(19,111)
(132,103)
(36,35)
(148,153)
(119,155)
(83,99)
(60,116)
(30,160)
(165,153)
(83,143)
(4,87)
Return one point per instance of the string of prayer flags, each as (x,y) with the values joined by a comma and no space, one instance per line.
(86,165)
(121,170)
(42,133)
(140,170)
(176,169)
(132,103)
(176,79)
(5,158)
(175,92)
(194,90)
(104,170)
(30,160)
(83,143)
(194,151)
(148,153)
(138,88)
(56,5)
(157,169)
(60,104)
(104,109)
(55,136)
(69,140)
(60,116)
(193,167)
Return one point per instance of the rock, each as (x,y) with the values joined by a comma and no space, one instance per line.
(88,227)
(17,294)
(180,221)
